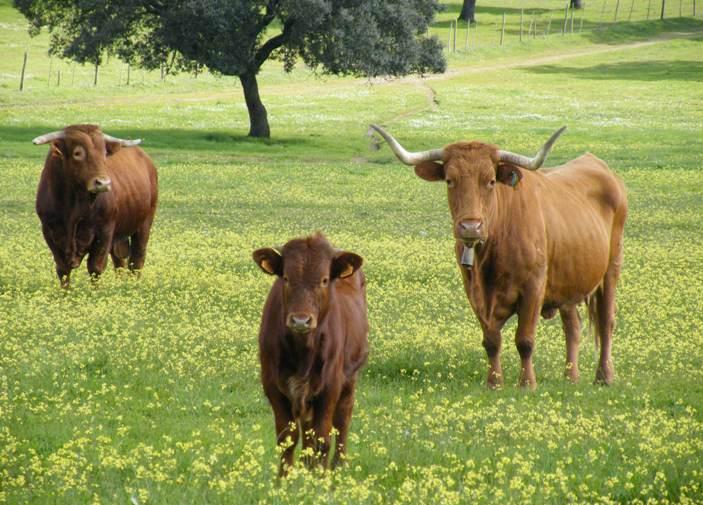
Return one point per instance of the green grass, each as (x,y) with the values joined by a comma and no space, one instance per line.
(149,388)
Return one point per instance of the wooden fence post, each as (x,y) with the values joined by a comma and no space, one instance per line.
(632,6)
(522,15)
(502,30)
(24,65)
(549,26)
(466,40)
(95,78)
(617,6)
(566,19)
(128,69)
(73,74)
(572,20)
(454,23)
(58,78)
(663,7)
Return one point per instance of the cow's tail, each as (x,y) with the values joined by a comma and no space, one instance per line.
(592,302)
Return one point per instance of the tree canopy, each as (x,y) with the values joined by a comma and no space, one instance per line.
(235,37)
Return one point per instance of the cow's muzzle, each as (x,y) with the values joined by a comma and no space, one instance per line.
(100,185)
(470,231)
(301,323)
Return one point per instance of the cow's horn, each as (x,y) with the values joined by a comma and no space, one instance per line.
(405,156)
(538,160)
(122,142)
(48,137)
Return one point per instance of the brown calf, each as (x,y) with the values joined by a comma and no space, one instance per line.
(97,194)
(312,343)
(531,242)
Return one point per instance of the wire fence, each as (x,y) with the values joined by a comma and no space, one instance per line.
(499,24)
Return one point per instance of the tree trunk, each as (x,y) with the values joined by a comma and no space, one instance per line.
(467,11)
(258,119)
(576,4)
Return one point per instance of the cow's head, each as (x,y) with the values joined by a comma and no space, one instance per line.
(308,268)
(83,150)
(471,171)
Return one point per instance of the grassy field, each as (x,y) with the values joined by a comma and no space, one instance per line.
(148,391)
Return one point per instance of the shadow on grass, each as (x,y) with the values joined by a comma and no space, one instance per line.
(622,32)
(168,139)
(658,70)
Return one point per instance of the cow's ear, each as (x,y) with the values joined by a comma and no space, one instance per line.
(345,264)
(430,171)
(269,260)
(57,148)
(112,147)
(508,174)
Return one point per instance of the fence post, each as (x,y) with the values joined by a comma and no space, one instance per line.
(502,30)
(522,15)
(566,18)
(632,6)
(617,6)
(581,25)
(48,78)
(549,26)
(58,78)
(24,65)
(128,68)
(680,8)
(73,74)
(449,46)
(454,23)
(572,20)
(649,7)
(663,7)
(466,41)
(95,78)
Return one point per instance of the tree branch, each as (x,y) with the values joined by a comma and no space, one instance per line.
(272,44)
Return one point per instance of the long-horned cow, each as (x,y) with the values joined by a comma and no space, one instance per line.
(531,242)
(97,195)
(312,343)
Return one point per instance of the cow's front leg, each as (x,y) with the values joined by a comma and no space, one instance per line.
(492,342)
(97,259)
(528,317)
(287,432)
(323,414)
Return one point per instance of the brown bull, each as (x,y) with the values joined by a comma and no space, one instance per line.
(531,243)
(312,342)
(97,195)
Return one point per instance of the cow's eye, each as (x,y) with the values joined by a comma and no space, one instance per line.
(450,183)
(325,281)
(491,183)
(79,153)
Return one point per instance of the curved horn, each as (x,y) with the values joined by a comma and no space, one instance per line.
(122,142)
(48,137)
(405,156)
(538,160)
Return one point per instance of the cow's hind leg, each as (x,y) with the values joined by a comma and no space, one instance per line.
(605,310)
(119,253)
(341,422)
(138,245)
(571,323)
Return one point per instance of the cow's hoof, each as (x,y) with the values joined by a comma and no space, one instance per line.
(603,378)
